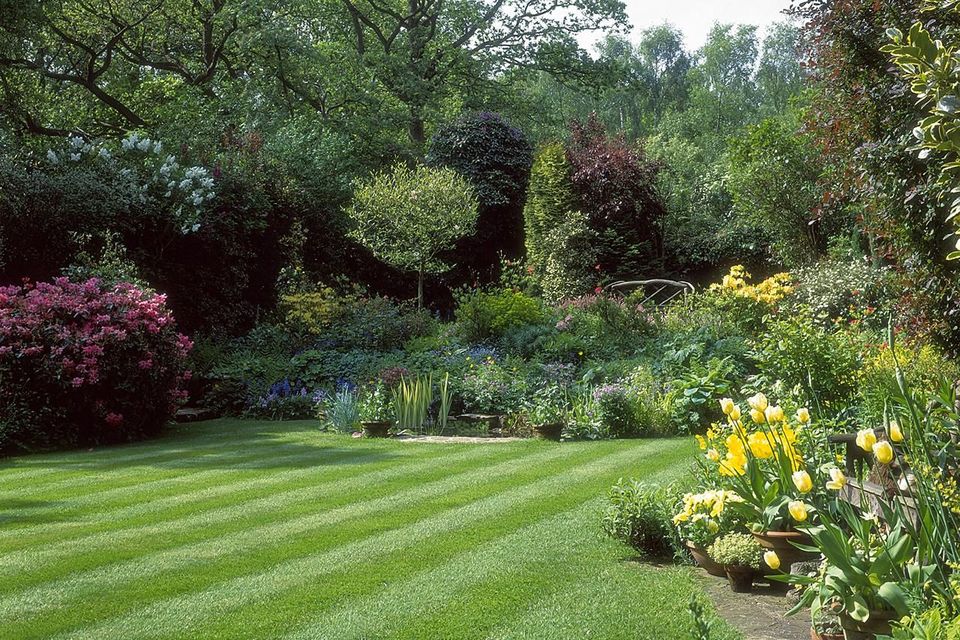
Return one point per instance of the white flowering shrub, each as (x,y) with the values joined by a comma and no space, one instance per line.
(183,191)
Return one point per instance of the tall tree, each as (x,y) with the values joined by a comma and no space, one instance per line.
(725,94)
(779,76)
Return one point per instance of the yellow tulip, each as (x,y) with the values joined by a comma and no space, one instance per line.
(896,434)
(734,465)
(798,510)
(837,480)
(713,455)
(772,559)
(774,414)
(803,415)
(866,439)
(712,526)
(760,445)
(701,442)
(757,416)
(884,452)
(726,405)
(802,481)
(758,402)
(734,414)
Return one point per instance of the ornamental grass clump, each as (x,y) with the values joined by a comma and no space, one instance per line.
(84,363)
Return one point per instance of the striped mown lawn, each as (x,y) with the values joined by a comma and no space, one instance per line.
(236,529)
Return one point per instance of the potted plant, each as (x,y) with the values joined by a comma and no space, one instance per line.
(741,555)
(868,572)
(762,460)
(547,413)
(701,519)
(825,626)
(376,412)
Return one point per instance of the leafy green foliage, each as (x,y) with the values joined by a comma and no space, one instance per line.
(482,316)
(640,514)
(408,216)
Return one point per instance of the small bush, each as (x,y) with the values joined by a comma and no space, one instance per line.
(83,364)
(737,549)
(484,315)
(641,515)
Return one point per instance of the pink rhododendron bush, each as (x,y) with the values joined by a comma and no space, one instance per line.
(86,363)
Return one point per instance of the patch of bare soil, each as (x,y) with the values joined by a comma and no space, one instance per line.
(760,614)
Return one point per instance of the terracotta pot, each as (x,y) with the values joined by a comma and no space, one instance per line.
(740,578)
(816,635)
(704,561)
(376,429)
(549,431)
(780,542)
(878,624)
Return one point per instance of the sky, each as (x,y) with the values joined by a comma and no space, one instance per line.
(695,17)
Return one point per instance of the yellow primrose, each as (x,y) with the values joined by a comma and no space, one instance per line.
(757,416)
(884,452)
(772,559)
(896,434)
(758,402)
(803,415)
(837,480)
(802,481)
(866,438)
(798,510)
(760,445)
(774,414)
(726,405)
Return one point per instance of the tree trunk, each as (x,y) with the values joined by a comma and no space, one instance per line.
(420,288)
(417,129)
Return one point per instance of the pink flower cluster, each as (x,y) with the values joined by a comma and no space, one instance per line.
(90,338)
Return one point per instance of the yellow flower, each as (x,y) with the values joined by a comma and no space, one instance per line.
(760,445)
(726,405)
(837,480)
(803,415)
(884,452)
(798,510)
(734,465)
(713,455)
(734,414)
(896,434)
(772,559)
(866,439)
(758,402)
(701,442)
(802,481)
(774,414)
(734,444)
(712,526)
(757,416)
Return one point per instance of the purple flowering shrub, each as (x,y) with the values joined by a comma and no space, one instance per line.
(83,363)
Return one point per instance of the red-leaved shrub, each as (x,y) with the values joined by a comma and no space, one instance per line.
(83,363)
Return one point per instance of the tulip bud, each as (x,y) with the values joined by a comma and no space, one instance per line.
(772,559)
(896,434)
(735,413)
(726,405)
(774,414)
(803,415)
(758,402)
(798,510)
(884,452)
(802,481)
(757,416)
(866,439)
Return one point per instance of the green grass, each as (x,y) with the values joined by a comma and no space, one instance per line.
(232,529)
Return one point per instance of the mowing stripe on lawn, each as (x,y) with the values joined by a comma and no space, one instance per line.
(555,538)
(185,611)
(134,486)
(18,563)
(58,593)
(181,488)
(22,468)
